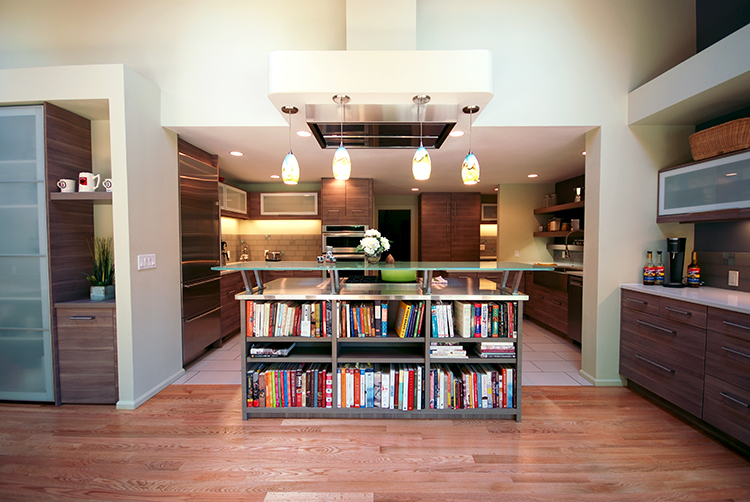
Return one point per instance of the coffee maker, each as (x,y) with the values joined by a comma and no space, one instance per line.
(676,261)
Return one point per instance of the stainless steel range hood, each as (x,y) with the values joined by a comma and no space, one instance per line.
(381,126)
(381,84)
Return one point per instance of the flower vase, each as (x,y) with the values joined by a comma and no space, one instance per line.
(372,259)
(101,293)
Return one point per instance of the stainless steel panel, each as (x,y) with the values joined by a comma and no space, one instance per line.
(200,297)
(200,332)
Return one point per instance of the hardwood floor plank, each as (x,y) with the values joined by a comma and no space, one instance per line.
(189,443)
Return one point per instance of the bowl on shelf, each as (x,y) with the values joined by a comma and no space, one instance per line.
(398,275)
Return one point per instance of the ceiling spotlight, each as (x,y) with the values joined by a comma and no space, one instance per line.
(236,153)
(496,189)
(532,175)
(470,165)
(290,166)
(421,165)
(342,163)
(304,134)
(275,176)
(583,153)
(415,189)
(456,134)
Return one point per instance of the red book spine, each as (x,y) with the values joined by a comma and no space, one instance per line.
(410,393)
(356,387)
(322,388)
(249,320)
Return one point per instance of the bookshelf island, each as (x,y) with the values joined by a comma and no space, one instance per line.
(431,348)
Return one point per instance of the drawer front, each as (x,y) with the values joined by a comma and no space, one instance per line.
(641,302)
(730,323)
(676,382)
(727,407)
(728,358)
(664,338)
(85,329)
(549,309)
(688,313)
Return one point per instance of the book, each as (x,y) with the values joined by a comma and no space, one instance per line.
(384,318)
(377,322)
(463,318)
(402,318)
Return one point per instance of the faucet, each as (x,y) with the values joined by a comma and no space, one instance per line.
(566,252)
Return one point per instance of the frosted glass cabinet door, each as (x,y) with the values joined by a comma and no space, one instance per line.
(714,185)
(25,334)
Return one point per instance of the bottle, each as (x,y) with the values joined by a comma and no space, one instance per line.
(659,276)
(649,271)
(694,272)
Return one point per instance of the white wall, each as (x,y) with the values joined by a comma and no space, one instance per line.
(516,222)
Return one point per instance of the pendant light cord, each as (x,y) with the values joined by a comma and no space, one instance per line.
(471,119)
(419,116)
(341,137)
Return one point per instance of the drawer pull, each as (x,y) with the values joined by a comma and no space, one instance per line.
(671,332)
(82,317)
(668,370)
(334,210)
(736,352)
(741,403)
(736,325)
(635,300)
(676,311)
(557,303)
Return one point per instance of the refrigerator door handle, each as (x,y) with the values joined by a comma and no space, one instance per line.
(198,283)
(202,315)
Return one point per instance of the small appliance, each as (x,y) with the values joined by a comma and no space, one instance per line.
(675,261)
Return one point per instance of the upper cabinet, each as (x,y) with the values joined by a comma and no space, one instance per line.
(711,190)
(284,205)
(449,226)
(346,202)
(232,201)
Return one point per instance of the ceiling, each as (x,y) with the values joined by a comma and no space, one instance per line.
(506,155)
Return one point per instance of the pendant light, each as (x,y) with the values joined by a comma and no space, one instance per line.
(342,164)
(470,166)
(421,164)
(290,166)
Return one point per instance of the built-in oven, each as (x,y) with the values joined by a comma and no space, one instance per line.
(344,240)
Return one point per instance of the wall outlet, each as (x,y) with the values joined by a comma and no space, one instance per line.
(516,253)
(146,261)
(734,277)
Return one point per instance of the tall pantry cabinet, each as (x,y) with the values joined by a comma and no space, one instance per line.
(44,252)
(449,226)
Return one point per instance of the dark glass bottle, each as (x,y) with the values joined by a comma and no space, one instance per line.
(659,270)
(694,272)
(649,270)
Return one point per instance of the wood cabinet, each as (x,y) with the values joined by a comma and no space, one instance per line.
(232,201)
(449,226)
(87,352)
(546,305)
(231,284)
(346,202)
(693,356)
(300,203)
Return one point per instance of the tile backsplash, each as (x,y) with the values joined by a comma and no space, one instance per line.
(715,267)
(293,247)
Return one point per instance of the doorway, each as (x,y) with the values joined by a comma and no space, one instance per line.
(395,225)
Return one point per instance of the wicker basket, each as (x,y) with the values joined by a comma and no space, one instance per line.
(723,138)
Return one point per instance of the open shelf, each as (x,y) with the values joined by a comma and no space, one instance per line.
(95,196)
(559,233)
(560,207)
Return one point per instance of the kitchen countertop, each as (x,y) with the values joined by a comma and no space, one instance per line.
(728,299)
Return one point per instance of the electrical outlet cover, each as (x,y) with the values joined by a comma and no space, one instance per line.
(734,278)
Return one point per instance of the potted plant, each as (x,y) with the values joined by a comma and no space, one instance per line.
(103,276)
(373,244)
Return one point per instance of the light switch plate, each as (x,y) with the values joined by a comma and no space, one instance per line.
(734,277)
(146,261)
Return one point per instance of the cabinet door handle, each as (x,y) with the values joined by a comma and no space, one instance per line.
(334,210)
(736,352)
(557,303)
(736,325)
(82,317)
(635,300)
(724,394)
(668,370)
(676,311)
(671,332)
(358,210)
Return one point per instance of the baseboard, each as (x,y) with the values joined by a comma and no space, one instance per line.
(131,405)
(601,382)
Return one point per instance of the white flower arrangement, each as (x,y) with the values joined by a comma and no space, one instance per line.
(373,243)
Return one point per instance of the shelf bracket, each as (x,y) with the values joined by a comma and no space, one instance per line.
(246,280)
(427,282)
(335,283)
(516,281)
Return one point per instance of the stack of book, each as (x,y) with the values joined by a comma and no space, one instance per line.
(485,319)
(447,351)
(471,386)
(409,319)
(289,385)
(386,386)
(288,318)
(361,319)
(490,350)
(270,349)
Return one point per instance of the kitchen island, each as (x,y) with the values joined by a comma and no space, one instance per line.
(321,347)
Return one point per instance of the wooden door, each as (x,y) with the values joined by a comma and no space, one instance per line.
(359,201)
(465,215)
(435,227)
(332,201)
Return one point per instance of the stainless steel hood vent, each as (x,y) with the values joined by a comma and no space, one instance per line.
(380,126)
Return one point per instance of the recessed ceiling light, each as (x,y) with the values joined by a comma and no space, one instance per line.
(532,175)
(304,134)
(731,174)
(456,134)
(236,153)
(583,153)
(275,176)
(496,189)
(415,189)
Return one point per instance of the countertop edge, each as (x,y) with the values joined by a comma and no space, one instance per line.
(737,301)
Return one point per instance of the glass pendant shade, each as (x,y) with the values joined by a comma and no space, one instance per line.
(470,170)
(342,164)
(290,169)
(421,166)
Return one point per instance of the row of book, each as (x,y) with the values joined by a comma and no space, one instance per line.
(482,319)
(289,385)
(288,318)
(362,319)
(270,349)
(386,386)
(409,319)
(486,350)
(472,386)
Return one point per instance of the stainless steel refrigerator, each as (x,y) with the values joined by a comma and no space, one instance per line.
(199,229)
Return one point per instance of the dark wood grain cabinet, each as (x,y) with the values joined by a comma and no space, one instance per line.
(87,352)
(449,226)
(346,202)
(231,284)
(546,305)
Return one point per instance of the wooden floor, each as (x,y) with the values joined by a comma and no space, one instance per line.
(189,443)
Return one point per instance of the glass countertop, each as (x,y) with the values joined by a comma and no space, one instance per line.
(466,266)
